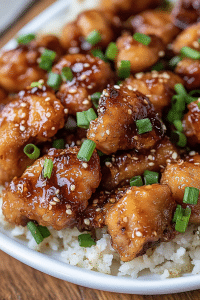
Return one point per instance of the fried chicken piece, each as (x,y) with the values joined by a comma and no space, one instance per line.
(127,8)
(139,219)
(141,56)
(90,75)
(185,13)
(124,166)
(191,123)
(34,117)
(189,70)
(189,37)
(115,128)
(56,201)
(158,86)
(155,22)
(184,174)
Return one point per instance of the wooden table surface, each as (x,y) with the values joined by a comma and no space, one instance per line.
(20,282)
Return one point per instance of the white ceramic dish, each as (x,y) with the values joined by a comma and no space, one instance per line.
(146,285)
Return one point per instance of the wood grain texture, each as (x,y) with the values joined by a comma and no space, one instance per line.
(20,282)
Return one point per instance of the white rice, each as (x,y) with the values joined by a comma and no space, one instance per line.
(171,259)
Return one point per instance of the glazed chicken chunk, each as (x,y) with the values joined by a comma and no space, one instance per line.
(124,166)
(157,86)
(90,75)
(140,56)
(189,70)
(139,219)
(34,117)
(57,200)
(184,174)
(115,128)
(191,123)
(155,22)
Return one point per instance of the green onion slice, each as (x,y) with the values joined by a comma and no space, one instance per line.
(59,144)
(181,217)
(144,125)
(124,69)
(158,67)
(66,74)
(95,99)
(174,115)
(32,151)
(174,61)
(150,177)
(179,138)
(136,181)
(190,53)
(142,38)
(84,118)
(180,90)
(98,53)
(86,150)
(178,103)
(37,84)
(54,80)
(38,232)
(44,231)
(46,59)
(94,37)
(25,38)
(85,240)
(178,125)
(191,195)
(48,167)
(112,51)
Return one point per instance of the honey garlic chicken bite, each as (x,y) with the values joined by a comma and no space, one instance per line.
(191,123)
(123,167)
(118,112)
(34,117)
(154,22)
(90,75)
(189,70)
(184,174)
(185,13)
(158,86)
(140,56)
(139,219)
(53,201)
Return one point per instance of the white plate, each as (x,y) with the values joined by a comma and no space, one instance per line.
(146,285)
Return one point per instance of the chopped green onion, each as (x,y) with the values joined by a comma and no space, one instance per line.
(95,99)
(144,125)
(48,167)
(136,181)
(85,240)
(179,138)
(174,115)
(158,67)
(67,74)
(46,59)
(98,53)
(94,37)
(84,118)
(37,84)
(174,61)
(86,150)
(44,231)
(59,144)
(181,217)
(180,90)
(178,103)
(198,104)
(32,151)
(142,38)
(150,177)
(124,69)
(191,195)
(112,51)
(35,232)
(54,80)
(100,153)
(25,38)
(190,53)
(178,212)
(178,125)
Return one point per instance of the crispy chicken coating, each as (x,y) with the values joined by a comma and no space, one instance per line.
(189,70)
(124,166)
(115,128)
(184,174)
(189,37)
(186,12)
(56,201)
(141,56)
(191,123)
(158,86)
(157,23)
(34,117)
(139,219)
(90,75)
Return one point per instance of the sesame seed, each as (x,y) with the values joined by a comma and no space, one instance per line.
(117,87)
(195,44)
(192,153)
(138,233)
(130,87)
(124,99)
(23,122)
(161,53)
(196,164)
(22,128)
(108,164)
(135,137)
(139,75)
(135,158)
(78,143)
(153,150)
(151,164)
(145,101)
(56,199)
(85,165)
(165,75)
(168,161)
(89,87)
(95,201)
(72,187)
(68,206)
(108,132)
(16,125)
(85,102)
(53,128)
(150,157)
(125,219)
(23,115)
(50,207)
(47,99)
(52,203)
(86,221)
(23,104)
(128,155)
(98,209)
(69,212)
(72,91)
(86,65)
(129,111)
(174,155)
(106,94)
(112,200)
(48,114)
(180,162)
(66,110)
(57,191)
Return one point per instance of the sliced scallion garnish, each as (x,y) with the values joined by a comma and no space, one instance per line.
(67,74)
(136,181)
(144,125)
(25,38)
(46,59)
(94,37)
(150,177)
(54,80)
(191,195)
(190,53)
(86,150)
(112,51)
(32,151)
(47,168)
(84,118)
(59,144)
(85,240)
(142,38)
(179,138)
(95,99)
(124,69)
